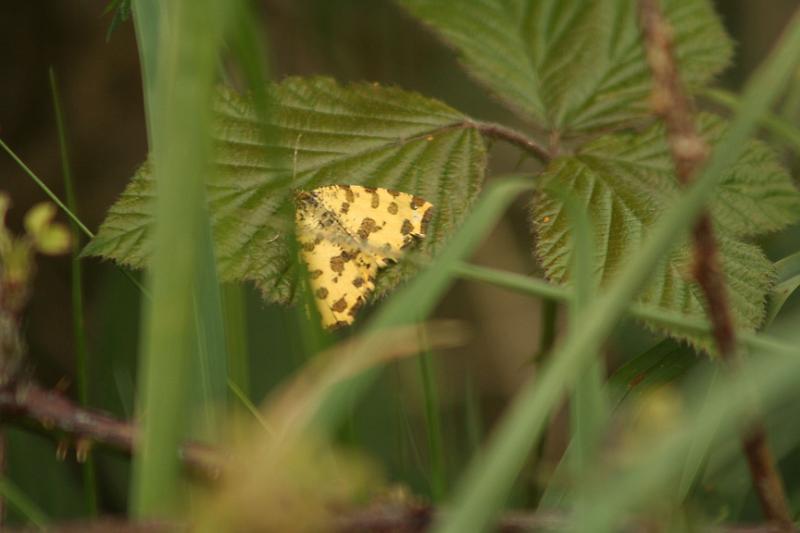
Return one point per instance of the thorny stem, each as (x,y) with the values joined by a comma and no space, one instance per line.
(689,152)
(52,412)
(56,414)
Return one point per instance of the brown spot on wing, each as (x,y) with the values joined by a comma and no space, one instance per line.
(393,193)
(348,193)
(407,227)
(426,219)
(309,246)
(368,225)
(417,202)
(356,306)
(392,208)
(358,282)
(340,305)
(315,274)
(345,208)
(376,200)
(337,264)
(322,293)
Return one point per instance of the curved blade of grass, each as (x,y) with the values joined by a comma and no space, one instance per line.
(418,298)
(76,285)
(543,289)
(433,419)
(179,106)
(488,479)
(26,507)
(211,356)
(775,124)
(235,316)
(588,406)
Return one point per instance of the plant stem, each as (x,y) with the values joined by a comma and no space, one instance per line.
(434,425)
(78,324)
(503,133)
(689,152)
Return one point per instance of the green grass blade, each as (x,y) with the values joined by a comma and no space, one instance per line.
(78,324)
(147,20)
(418,299)
(778,126)
(427,368)
(473,420)
(589,409)
(188,40)
(210,390)
(540,288)
(67,211)
(26,507)
(50,194)
(487,481)
(235,316)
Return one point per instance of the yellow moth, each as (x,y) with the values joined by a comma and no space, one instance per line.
(346,234)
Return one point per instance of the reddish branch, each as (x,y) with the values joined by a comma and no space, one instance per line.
(52,412)
(689,152)
(496,131)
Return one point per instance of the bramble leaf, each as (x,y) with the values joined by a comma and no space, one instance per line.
(626,181)
(320,133)
(572,66)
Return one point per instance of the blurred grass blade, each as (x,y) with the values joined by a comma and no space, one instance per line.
(76,287)
(294,405)
(776,125)
(418,298)
(147,19)
(235,316)
(187,38)
(433,419)
(486,483)
(11,494)
(472,413)
(589,409)
(543,289)
(211,357)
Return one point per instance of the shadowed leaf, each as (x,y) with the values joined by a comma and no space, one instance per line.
(572,66)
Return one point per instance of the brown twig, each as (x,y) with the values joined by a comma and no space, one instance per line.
(689,152)
(52,412)
(496,131)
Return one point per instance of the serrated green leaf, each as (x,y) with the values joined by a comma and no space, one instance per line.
(573,66)
(322,133)
(627,180)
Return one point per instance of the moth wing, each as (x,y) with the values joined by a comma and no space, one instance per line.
(340,280)
(384,222)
